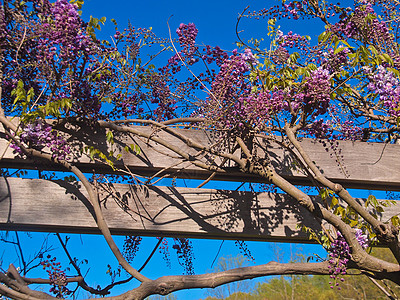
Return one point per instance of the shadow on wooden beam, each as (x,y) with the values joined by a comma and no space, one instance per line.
(58,206)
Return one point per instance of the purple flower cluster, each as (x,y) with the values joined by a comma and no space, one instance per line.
(230,80)
(320,129)
(129,105)
(3,28)
(384,83)
(187,34)
(334,62)
(280,55)
(258,108)
(215,54)
(355,25)
(248,57)
(62,36)
(316,91)
(161,95)
(292,40)
(88,103)
(362,239)
(349,131)
(225,102)
(57,57)
(40,135)
(340,255)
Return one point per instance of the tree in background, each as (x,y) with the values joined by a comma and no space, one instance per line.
(57,76)
(317,287)
(225,264)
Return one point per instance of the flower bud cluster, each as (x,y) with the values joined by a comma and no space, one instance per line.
(292,8)
(57,277)
(184,250)
(163,249)
(131,246)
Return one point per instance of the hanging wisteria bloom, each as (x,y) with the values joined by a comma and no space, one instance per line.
(340,254)
(40,135)
(187,34)
(384,83)
(315,96)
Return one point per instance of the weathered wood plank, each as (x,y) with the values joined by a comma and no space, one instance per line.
(352,164)
(41,205)
(58,206)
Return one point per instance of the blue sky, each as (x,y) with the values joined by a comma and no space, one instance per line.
(216,20)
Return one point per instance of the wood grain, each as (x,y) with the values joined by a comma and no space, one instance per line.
(352,164)
(58,206)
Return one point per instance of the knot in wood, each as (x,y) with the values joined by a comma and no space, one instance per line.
(387,233)
(164,288)
(337,188)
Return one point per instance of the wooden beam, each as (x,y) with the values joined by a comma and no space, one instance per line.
(352,164)
(59,206)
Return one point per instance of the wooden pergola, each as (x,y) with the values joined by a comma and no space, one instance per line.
(60,206)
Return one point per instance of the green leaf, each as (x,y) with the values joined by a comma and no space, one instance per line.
(372,199)
(373,50)
(395,220)
(110,137)
(387,58)
(135,148)
(340,49)
(78,3)
(353,223)
(334,202)
(30,95)
(324,194)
